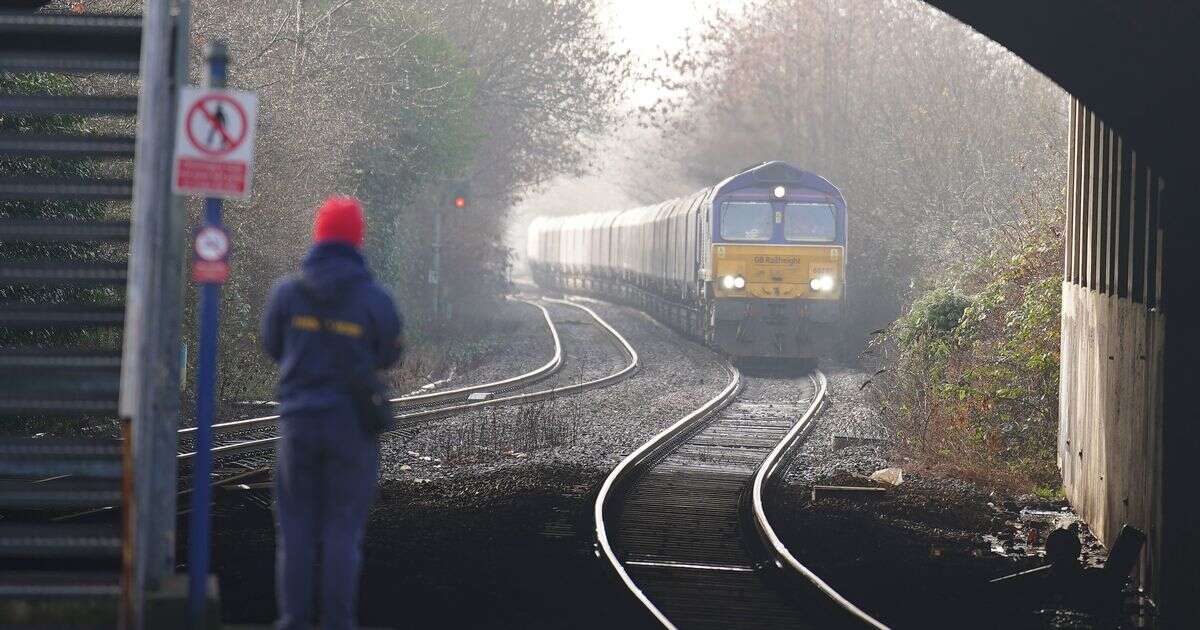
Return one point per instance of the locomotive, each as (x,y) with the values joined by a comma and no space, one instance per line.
(753,266)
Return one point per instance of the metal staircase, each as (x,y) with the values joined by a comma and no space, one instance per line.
(64,236)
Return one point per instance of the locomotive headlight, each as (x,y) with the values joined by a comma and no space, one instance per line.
(822,283)
(733,282)
(780,192)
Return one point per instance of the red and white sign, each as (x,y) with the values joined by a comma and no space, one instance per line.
(214,143)
(210,264)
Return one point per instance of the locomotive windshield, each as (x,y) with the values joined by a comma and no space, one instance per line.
(809,222)
(746,221)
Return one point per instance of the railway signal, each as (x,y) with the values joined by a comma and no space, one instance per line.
(460,195)
(457,196)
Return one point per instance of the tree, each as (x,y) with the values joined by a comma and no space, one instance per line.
(933,133)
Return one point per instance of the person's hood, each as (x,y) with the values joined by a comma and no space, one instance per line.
(330,269)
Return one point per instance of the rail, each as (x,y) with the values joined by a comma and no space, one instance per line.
(767,473)
(631,465)
(408,420)
(660,569)
(550,367)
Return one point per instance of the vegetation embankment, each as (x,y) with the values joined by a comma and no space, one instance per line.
(971,380)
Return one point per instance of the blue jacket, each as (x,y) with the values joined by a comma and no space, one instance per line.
(330,320)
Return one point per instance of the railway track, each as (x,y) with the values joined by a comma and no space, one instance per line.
(246,436)
(244,449)
(682,520)
(250,442)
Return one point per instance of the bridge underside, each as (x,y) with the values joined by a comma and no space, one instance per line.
(1131,322)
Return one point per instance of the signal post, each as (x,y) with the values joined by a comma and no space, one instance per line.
(456,196)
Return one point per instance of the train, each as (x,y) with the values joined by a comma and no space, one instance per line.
(754,266)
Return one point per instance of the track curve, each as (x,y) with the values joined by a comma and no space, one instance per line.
(426,411)
(419,400)
(250,442)
(681,519)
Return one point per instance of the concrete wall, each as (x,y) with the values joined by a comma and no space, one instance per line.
(1110,407)
(1110,445)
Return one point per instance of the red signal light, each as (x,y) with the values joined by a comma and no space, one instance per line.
(460,202)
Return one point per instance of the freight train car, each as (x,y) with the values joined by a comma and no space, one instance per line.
(754,266)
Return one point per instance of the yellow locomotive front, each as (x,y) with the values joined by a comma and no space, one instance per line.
(777,261)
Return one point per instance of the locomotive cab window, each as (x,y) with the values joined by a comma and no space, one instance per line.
(746,221)
(809,222)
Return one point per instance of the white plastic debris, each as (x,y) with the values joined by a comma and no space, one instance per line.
(405,467)
(891,476)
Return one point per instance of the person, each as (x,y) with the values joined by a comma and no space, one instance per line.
(330,320)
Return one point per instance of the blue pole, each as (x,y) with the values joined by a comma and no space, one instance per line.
(206,376)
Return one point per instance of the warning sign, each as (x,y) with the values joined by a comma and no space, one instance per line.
(210,260)
(214,143)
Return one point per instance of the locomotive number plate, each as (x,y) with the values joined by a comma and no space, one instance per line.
(816,271)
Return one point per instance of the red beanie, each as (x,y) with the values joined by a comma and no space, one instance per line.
(339,219)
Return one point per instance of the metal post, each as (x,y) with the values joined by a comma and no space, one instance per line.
(149,390)
(206,376)
(435,274)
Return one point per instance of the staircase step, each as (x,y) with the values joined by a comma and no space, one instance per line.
(72,492)
(52,104)
(46,540)
(17,315)
(30,188)
(50,403)
(58,230)
(43,359)
(39,458)
(27,373)
(57,585)
(68,62)
(65,146)
(71,32)
(63,273)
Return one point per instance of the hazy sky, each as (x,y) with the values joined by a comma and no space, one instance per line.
(646,27)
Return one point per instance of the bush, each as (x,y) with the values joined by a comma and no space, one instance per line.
(972,370)
(935,313)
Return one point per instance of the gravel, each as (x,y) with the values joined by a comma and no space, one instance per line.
(920,556)
(595,429)
(519,342)
(486,520)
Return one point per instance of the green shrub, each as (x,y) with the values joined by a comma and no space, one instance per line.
(935,313)
(972,379)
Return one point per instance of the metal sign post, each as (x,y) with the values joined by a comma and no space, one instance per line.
(209,248)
